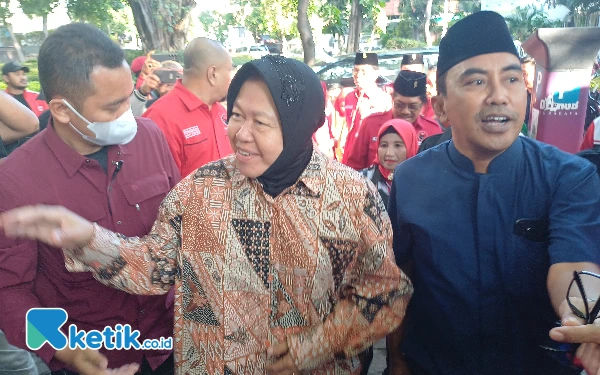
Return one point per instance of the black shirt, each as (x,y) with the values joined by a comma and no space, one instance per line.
(101,156)
(21,99)
(435,140)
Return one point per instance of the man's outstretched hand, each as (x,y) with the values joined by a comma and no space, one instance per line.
(54,225)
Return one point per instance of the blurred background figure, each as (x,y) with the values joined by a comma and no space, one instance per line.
(413,62)
(16,122)
(323,137)
(15,76)
(169,81)
(142,67)
(366,99)
(432,81)
(408,99)
(191,117)
(528,67)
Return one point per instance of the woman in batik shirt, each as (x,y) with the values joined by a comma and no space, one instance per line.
(282,258)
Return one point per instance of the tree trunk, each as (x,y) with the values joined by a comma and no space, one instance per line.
(162,24)
(45,25)
(355,27)
(428,38)
(308,44)
(16,43)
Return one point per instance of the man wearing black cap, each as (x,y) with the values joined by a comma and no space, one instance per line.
(407,101)
(413,62)
(365,100)
(15,77)
(490,225)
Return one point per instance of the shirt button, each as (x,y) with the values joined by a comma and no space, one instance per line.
(118,222)
(87,161)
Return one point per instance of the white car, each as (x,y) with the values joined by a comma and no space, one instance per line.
(258,51)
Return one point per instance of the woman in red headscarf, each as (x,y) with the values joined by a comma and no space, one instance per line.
(397,141)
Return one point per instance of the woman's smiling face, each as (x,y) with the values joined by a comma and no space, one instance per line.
(254,129)
(391,151)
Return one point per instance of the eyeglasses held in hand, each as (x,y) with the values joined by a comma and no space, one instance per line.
(565,353)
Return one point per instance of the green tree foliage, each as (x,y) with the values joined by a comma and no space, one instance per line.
(525,20)
(582,11)
(107,15)
(335,13)
(277,18)
(39,8)
(217,23)
(413,13)
(5,12)
(97,12)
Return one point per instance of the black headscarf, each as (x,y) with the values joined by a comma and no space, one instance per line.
(300,103)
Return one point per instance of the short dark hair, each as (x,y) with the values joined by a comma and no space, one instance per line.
(68,57)
(440,82)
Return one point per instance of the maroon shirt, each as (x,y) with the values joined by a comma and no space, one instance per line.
(45,170)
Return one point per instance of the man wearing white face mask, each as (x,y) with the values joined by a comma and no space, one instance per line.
(110,167)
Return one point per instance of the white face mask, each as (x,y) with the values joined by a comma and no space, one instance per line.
(117,132)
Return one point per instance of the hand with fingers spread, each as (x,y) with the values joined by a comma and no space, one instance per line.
(281,360)
(53,225)
(91,362)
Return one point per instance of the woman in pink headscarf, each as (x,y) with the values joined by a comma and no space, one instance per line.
(397,141)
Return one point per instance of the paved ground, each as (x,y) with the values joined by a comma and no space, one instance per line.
(378,364)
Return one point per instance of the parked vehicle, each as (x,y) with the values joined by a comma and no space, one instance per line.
(258,51)
(389,65)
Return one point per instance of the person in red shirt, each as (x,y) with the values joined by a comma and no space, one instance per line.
(415,63)
(191,116)
(365,100)
(137,65)
(592,135)
(408,99)
(97,159)
(15,77)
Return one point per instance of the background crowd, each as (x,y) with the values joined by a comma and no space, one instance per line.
(272,224)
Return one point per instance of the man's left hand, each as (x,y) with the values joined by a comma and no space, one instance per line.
(282,362)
